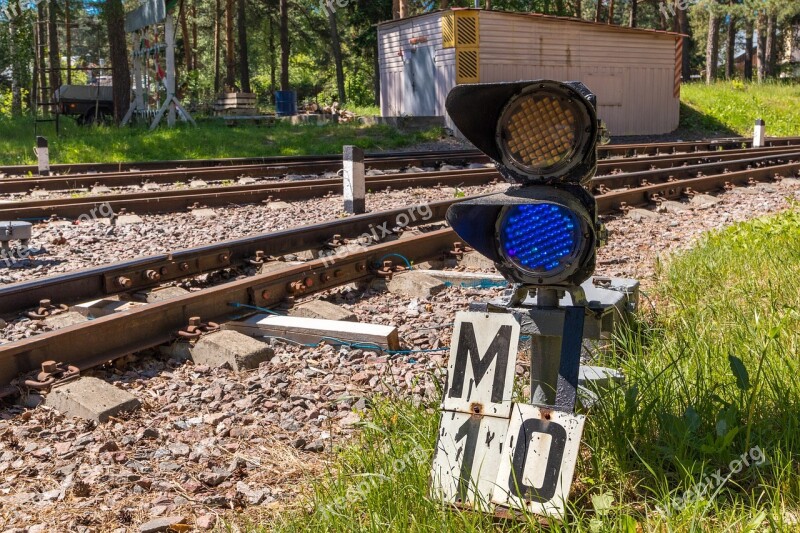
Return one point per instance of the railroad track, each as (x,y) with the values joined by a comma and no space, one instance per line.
(604,152)
(153,324)
(82,182)
(659,170)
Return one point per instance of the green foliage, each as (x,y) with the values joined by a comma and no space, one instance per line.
(712,388)
(733,107)
(211,139)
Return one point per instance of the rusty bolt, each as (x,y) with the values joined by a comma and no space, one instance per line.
(45,304)
(152,275)
(49,367)
(360,267)
(265,295)
(184,267)
(164,271)
(224,257)
(324,277)
(195,321)
(124,282)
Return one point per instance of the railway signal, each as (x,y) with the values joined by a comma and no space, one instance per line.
(542,234)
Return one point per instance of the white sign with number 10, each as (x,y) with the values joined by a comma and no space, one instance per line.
(490,451)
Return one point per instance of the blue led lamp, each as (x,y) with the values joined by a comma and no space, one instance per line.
(539,238)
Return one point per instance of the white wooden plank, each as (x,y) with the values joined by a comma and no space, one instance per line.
(315,330)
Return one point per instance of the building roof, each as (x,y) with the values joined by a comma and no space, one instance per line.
(549,18)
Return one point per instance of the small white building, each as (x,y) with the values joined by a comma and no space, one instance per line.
(635,73)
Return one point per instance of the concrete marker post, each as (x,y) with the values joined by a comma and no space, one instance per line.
(354,180)
(43,155)
(759,134)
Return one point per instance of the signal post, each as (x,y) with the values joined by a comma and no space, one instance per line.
(494,454)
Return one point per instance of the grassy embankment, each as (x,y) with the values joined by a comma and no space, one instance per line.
(211,139)
(710,377)
(731,108)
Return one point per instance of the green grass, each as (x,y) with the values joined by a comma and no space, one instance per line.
(209,140)
(733,107)
(711,375)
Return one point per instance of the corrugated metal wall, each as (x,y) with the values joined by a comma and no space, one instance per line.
(396,51)
(631,73)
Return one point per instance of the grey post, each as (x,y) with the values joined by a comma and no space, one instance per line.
(759,134)
(354,181)
(43,155)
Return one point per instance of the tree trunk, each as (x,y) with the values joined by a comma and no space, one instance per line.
(772,46)
(599,10)
(194,34)
(611,11)
(16,100)
(336,47)
(230,50)
(273,63)
(748,50)
(216,45)
(52,48)
(634,13)
(712,48)
(244,63)
(560,8)
(578,9)
(68,28)
(187,50)
(41,59)
(395,9)
(683,26)
(403,9)
(762,46)
(444,4)
(284,32)
(115,20)
(730,55)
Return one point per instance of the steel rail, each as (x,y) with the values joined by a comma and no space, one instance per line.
(137,274)
(181,200)
(146,326)
(607,151)
(636,179)
(642,195)
(137,178)
(103,339)
(148,272)
(375,158)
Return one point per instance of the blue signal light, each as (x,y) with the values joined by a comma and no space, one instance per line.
(539,237)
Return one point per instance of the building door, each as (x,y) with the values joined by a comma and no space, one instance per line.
(419,83)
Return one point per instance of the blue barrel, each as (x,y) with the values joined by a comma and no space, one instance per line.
(285,103)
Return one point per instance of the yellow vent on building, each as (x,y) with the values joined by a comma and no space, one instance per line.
(466,28)
(448,30)
(460,28)
(467,66)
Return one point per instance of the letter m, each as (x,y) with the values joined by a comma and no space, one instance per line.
(468,349)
